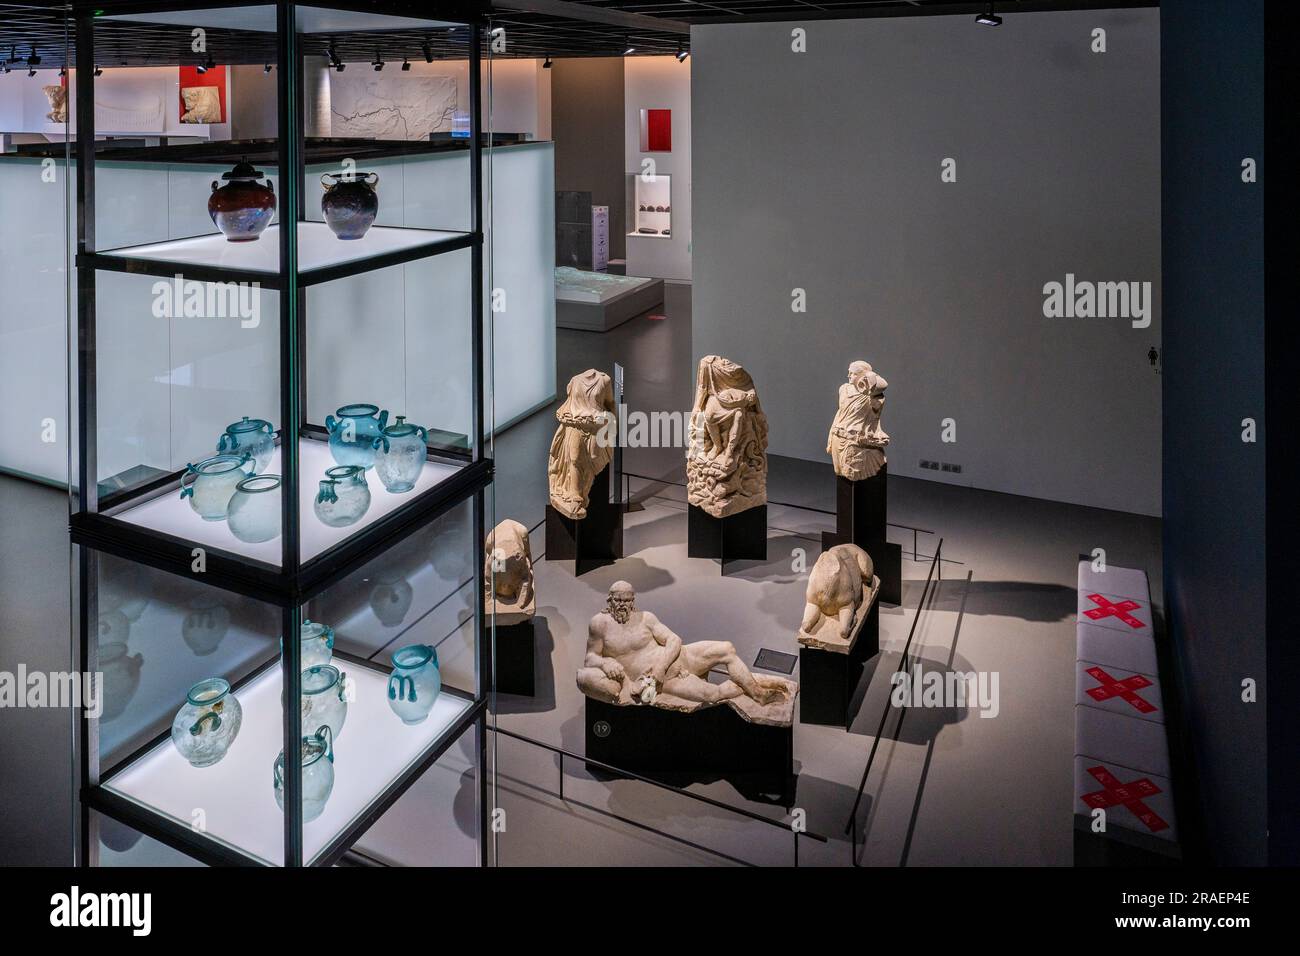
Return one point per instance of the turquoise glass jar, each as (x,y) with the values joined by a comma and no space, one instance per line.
(254,514)
(212,484)
(317,774)
(207,724)
(414,683)
(399,455)
(324,699)
(253,436)
(353,433)
(344,496)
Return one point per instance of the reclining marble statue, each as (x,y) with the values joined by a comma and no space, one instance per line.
(584,441)
(508,574)
(856,442)
(633,659)
(726,458)
(841,589)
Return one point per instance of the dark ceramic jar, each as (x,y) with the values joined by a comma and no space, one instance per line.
(244,207)
(350,203)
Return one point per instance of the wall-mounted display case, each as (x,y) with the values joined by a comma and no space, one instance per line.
(651,203)
(255,452)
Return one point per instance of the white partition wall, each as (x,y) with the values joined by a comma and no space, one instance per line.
(169,395)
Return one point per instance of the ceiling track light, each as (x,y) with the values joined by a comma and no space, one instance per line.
(427,49)
(629,48)
(335,63)
(99,70)
(33,60)
(988,18)
(206,65)
(377,62)
(546,64)
(406,65)
(682,54)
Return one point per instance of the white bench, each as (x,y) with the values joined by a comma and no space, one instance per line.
(1122,779)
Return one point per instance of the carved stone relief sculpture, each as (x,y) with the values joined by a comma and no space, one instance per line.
(726,461)
(841,590)
(633,659)
(508,575)
(856,442)
(584,442)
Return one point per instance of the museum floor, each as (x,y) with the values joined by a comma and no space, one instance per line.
(954,788)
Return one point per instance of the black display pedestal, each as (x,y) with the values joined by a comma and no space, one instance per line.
(738,537)
(860,518)
(711,744)
(590,542)
(827,680)
(515,655)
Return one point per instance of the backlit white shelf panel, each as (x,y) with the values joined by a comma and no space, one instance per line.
(235,799)
(172,514)
(318,248)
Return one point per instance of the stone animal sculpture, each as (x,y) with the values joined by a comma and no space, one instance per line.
(840,582)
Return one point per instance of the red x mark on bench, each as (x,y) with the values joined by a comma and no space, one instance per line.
(1107,608)
(1130,795)
(1125,689)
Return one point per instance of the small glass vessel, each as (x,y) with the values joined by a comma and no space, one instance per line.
(206,624)
(252,435)
(317,774)
(353,433)
(317,643)
(213,484)
(344,496)
(254,514)
(244,207)
(399,455)
(350,203)
(324,699)
(207,725)
(414,683)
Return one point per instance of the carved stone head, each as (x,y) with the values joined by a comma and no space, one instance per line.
(621,601)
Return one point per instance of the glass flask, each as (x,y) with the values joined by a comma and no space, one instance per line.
(252,435)
(324,699)
(353,433)
(399,455)
(344,496)
(254,514)
(206,726)
(213,482)
(317,774)
(414,683)
(317,643)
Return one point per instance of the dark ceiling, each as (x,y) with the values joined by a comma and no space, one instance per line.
(533,28)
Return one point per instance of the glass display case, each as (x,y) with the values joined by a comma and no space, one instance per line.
(651,202)
(279,382)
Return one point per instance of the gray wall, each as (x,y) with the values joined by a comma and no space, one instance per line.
(1214,491)
(587,127)
(821,170)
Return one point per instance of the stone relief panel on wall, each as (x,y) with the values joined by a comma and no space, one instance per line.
(390,105)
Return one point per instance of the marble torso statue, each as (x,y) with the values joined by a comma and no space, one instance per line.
(584,441)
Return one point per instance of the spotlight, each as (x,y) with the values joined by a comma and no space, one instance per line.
(406,65)
(63,71)
(989,18)
(33,60)
(337,64)
(99,70)
(31,71)
(267,68)
(377,62)
(427,49)
(206,65)
(4,68)
(546,64)
(630,49)
(682,55)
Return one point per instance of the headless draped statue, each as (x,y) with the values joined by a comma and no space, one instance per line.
(726,461)
(856,442)
(584,442)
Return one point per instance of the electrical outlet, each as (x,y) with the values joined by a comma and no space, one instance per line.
(933,465)
(945,467)
(956,469)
